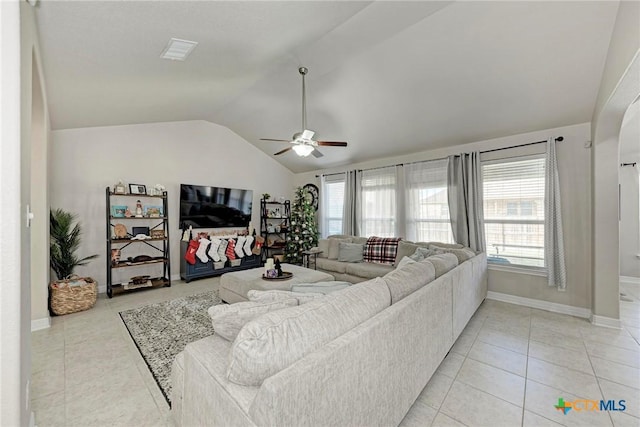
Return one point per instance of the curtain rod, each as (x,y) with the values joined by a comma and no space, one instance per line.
(558,139)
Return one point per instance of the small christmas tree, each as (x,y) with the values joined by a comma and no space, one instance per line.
(303,230)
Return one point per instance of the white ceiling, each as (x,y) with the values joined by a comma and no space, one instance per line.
(389,77)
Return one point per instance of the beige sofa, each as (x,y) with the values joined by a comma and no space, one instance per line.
(404,324)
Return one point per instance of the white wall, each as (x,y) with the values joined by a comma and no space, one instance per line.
(85,161)
(575,181)
(630,193)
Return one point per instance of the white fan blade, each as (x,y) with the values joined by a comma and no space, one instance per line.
(307,134)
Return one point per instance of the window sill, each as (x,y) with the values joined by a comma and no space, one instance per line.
(532,271)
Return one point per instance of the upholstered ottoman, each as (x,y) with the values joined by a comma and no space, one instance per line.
(235,285)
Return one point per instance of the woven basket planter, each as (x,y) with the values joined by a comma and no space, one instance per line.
(66,299)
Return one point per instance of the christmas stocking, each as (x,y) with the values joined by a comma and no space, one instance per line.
(190,255)
(231,253)
(213,250)
(222,249)
(247,245)
(202,250)
(239,243)
(257,249)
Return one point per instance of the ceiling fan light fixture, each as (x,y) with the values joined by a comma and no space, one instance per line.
(303,150)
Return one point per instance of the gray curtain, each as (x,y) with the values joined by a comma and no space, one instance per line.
(553,238)
(351,210)
(464,189)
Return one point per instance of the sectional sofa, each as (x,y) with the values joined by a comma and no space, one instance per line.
(359,356)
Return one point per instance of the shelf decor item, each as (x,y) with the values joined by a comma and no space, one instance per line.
(118,211)
(137,189)
(153,211)
(119,188)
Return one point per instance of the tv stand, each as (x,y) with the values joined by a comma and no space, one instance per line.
(200,270)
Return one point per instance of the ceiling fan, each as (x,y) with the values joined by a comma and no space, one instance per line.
(303,142)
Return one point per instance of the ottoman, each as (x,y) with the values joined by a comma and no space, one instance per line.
(235,285)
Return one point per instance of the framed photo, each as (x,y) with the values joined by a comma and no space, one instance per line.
(118,211)
(137,189)
(153,211)
(157,234)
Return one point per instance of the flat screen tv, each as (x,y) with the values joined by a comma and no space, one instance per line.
(214,207)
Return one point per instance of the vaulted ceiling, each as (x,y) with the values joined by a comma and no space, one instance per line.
(389,77)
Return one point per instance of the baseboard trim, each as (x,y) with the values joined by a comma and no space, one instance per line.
(541,305)
(630,280)
(38,324)
(606,322)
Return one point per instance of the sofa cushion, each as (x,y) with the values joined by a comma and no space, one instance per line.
(408,278)
(350,252)
(360,240)
(334,247)
(332,265)
(368,270)
(442,245)
(422,253)
(266,297)
(275,340)
(442,263)
(462,254)
(404,261)
(228,319)
(381,249)
(321,288)
(323,246)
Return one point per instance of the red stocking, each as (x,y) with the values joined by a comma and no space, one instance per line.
(190,256)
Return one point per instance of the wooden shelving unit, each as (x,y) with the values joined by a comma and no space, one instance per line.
(274,228)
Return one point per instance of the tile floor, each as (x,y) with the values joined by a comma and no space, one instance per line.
(508,368)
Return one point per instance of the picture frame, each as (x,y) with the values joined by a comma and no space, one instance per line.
(154,211)
(118,211)
(138,189)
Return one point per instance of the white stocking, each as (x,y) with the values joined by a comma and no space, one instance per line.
(238,247)
(247,246)
(213,250)
(202,250)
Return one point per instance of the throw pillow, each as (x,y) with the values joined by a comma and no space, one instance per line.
(462,254)
(405,249)
(381,250)
(334,247)
(422,253)
(266,297)
(350,252)
(323,245)
(404,261)
(408,278)
(442,263)
(443,245)
(228,319)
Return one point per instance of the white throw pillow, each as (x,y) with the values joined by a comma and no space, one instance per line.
(228,319)
(334,247)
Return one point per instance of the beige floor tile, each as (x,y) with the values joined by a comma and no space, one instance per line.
(419,415)
(49,410)
(518,327)
(621,419)
(504,340)
(541,400)
(569,326)
(451,365)
(495,381)
(616,392)
(47,382)
(572,359)
(480,408)
(463,343)
(436,390)
(534,420)
(558,339)
(499,357)
(616,372)
(443,420)
(47,360)
(634,332)
(626,342)
(578,383)
(615,354)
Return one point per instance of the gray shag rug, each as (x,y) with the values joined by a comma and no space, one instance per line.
(162,330)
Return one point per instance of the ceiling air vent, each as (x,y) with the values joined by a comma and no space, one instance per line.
(178,50)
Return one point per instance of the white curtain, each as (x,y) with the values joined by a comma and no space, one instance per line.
(350,213)
(427,209)
(378,202)
(464,182)
(553,238)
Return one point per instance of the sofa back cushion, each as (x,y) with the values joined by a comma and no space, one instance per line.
(442,263)
(408,278)
(381,249)
(323,246)
(275,340)
(350,252)
(334,246)
(462,254)
(228,319)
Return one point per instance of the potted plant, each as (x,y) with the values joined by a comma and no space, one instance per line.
(68,294)
(266,196)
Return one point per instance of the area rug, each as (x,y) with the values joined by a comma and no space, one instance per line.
(162,330)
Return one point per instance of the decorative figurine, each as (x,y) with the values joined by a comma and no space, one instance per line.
(138,209)
(278,267)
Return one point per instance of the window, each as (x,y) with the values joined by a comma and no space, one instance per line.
(513,210)
(332,204)
(426,202)
(378,202)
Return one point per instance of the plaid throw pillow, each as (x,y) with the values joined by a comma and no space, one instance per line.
(381,249)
